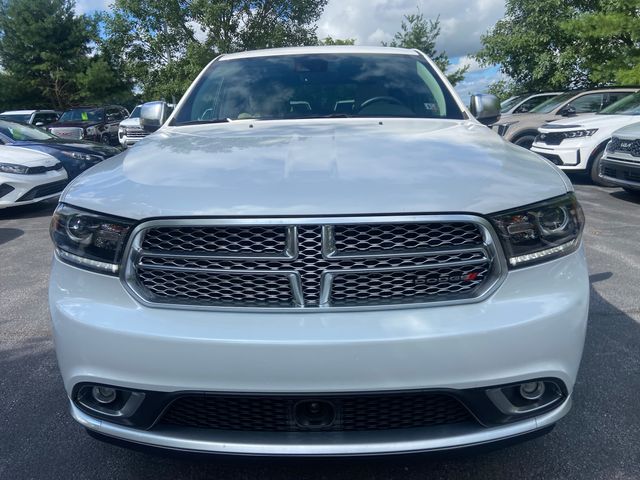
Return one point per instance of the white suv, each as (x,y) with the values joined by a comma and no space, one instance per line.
(259,278)
(578,144)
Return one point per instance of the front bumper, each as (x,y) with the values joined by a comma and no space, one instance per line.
(533,326)
(319,444)
(565,157)
(623,173)
(26,189)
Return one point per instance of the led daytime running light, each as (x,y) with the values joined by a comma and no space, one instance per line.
(102,266)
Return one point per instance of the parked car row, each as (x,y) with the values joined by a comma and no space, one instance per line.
(570,129)
(42,150)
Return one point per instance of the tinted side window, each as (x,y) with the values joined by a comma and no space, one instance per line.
(591,102)
(114,114)
(532,103)
(613,97)
(45,118)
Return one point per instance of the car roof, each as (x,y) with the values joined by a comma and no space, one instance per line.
(270,52)
(25,112)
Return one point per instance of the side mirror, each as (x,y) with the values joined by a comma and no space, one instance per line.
(486,108)
(153,115)
(567,111)
(39,124)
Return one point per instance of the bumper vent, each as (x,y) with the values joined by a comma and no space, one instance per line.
(346,413)
(302,265)
(43,190)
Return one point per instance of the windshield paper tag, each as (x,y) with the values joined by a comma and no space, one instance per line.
(85,117)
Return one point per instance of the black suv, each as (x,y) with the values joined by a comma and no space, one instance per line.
(99,124)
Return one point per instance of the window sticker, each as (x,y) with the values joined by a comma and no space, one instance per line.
(85,116)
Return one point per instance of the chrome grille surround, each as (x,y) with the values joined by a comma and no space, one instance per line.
(77,133)
(135,132)
(315,264)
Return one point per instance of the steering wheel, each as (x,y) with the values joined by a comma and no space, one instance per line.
(380,99)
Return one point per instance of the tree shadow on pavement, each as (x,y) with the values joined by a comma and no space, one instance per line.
(8,234)
(31,210)
(598,439)
(626,196)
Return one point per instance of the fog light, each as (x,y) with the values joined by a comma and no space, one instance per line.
(532,390)
(103,395)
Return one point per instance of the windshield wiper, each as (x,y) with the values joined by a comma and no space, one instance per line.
(331,115)
(202,122)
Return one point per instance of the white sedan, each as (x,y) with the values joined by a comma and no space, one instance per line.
(29,176)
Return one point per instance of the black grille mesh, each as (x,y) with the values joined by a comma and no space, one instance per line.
(385,263)
(353,413)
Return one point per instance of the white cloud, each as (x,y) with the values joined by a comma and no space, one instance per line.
(89,6)
(373,21)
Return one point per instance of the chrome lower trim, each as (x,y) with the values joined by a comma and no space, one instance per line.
(309,444)
(491,246)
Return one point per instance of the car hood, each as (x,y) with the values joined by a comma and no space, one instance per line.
(529,118)
(130,122)
(75,146)
(321,167)
(605,122)
(28,158)
(630,131)
(73,124)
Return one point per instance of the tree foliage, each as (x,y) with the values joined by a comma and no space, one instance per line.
(164,44)
(421,33)
(47,57)
(611,41)
(560,44)
(328,41)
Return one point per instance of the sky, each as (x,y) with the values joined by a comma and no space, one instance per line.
(373,21)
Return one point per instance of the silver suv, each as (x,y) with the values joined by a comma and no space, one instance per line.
(320,252)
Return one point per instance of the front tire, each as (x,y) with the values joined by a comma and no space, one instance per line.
(525,141)
(105,139)
(595,171)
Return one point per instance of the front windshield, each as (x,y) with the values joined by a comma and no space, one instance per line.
(14,117)
(553,103)
(511,102)
(83,115)
(318,85)
(136,112)
(20,132)
(629,105)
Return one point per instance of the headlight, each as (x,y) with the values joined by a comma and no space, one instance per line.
(580,133)
(502,128)
(89,240)
(540,232)
(13,168)
(82,156)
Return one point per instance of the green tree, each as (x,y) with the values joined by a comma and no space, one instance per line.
(421,33)
(49,59)
(535,49)
(43,44)
(166,42)
(611,41)
(329,41)
(504,89)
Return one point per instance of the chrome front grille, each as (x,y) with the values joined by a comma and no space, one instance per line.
(75,133)
(312,264)
(135,132)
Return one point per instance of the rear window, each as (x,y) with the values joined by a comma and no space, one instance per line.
(17,118)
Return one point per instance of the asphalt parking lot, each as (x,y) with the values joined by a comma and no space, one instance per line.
(599,439)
